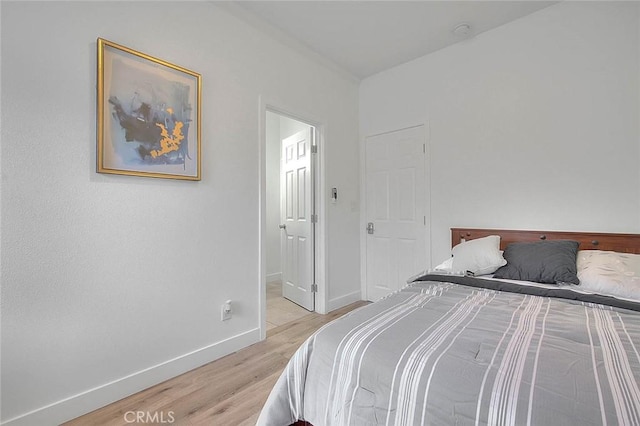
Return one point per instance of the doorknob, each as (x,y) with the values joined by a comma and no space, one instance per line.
(370,228)
(282,226)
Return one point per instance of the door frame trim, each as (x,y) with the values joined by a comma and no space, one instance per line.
(363,199)
(321,246)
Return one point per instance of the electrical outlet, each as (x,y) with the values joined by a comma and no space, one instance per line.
(226,311)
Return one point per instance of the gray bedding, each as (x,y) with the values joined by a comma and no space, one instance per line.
(443,353)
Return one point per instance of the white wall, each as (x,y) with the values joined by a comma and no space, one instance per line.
(533,125)
(113,283)
(273,197)
(289,127)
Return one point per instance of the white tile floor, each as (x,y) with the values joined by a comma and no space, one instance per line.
(280,310)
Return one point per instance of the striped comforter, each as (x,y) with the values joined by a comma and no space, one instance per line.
(449,354)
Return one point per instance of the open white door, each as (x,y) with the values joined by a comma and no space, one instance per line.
(296,224)
(395,209)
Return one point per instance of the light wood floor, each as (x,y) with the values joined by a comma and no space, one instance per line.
(228,392)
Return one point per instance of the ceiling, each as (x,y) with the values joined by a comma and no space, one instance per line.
(367,37)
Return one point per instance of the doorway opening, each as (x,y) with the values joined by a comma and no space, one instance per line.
(290,218)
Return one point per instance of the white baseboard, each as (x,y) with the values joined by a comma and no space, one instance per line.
(92,399)
(276,276)
(341,301)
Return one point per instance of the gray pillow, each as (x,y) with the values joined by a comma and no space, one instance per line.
(550,262)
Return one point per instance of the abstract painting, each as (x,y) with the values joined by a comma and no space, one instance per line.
(148,115)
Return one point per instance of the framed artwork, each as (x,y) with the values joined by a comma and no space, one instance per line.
(148,115)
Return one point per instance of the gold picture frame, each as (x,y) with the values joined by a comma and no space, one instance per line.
(149,115)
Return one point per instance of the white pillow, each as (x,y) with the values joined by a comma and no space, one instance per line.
(481,256)
(446,266)
(609,273)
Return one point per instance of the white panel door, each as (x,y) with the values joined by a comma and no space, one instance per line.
(395,209)
(296,223)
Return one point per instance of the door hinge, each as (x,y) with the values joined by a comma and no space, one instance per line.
(424,148)
(314,149)
(314,288)
(314,218)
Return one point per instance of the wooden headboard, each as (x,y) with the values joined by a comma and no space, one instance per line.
(624,243)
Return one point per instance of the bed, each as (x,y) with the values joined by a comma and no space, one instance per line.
(526,343)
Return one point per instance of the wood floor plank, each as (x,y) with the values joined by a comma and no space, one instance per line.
(228,391)
(240,407)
